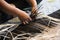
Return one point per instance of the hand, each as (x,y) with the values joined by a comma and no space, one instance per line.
(34,12)
(24,17)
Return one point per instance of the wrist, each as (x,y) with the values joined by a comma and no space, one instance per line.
(35,5)
(20,13)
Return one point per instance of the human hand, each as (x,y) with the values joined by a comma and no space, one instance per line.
(33,12)
(24,17)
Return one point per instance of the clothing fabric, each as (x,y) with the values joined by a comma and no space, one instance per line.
(21,4)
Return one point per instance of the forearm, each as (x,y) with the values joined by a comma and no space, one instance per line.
(32,2)
(10,8)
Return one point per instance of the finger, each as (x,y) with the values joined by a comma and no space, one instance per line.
(24,23)
(22,20)
(34,10)
(30,19)
(34,14)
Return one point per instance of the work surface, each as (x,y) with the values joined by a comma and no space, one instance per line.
(32,31)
